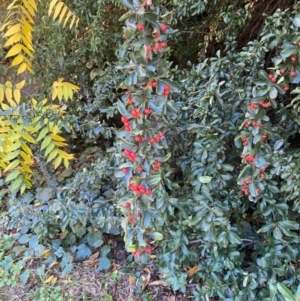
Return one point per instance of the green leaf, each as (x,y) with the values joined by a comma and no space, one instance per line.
(12,176)
(46,142)
(205,179)
(127,3)
(285,292)
(296,20)
(24,276)
(95,239)
(11,156)
(83,252)
(104,264)
(123,110)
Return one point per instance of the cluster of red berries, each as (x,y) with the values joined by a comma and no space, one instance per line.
(139,189)
(272,78)
(131,218)
(129,101)
(265,104)
(293,59)
(156,138)
(130,155)
(256,123)
(253,106)
(147,111)
(248,158)
(152,84)
(245,190)
(126,123)
(156,166)
(136,113)
(244,140)
(139,251)
(139,139)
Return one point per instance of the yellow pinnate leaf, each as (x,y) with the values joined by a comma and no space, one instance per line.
(57,138)
(22,68)
(13,175)
(26,167)
(27,159)
(17,95)
(57,9)
(17,60)
(67,18)
(27,43)
(46,142)
(72,22)
(54,93)
(53,281)
(45,254)
(55,130)
(29,53)
(27,15)
(65,155)
(8,84)
(49,148)
(52,3)
(14,146)
(12,103)
(57,162)
(9,7)
(16,49)
(52,155)
(63,12)
(4,129)
(33,4)
(60,93)
(29,8)
(72,86)
(17,184)
(26,148)
(8,94)
(22,189)
(26,24)
(30,128)
(34,102)
(11,156)
(12,165)
(13,39)
(12,30)
(42,133)
(21,84)
(66,163)
(15,136)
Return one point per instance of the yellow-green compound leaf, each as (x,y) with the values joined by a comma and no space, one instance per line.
(13,39)
(8,94)
(1,93)
(57,162)
(12,176)
(52,155)
(17,60)
(14,29)
(12,165)
(28,138)
(17,184)
(17,95)
(14,146)
(21,84)
(11,156)
(49,148)
(26,158)
(65,155)
(57,138)
(52,3)
(26,148)
(66,163)
(42,133)
(46,142)
(16,49)
(57,10)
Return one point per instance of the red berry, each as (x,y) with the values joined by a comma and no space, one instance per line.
(147,111)
(138,139)
(286,88)
(147,57)
(270,76)
(273,80)
(148,250)
(124,36)
(163,27)
(127,205)
(141,27)
(148,192)
(163,44)
(136,113)
(149,48)
(156,32)
(125,170)
(131,221)
(293,74)
(129,101)
(157,47)
(154,84)
(152,140)
(282,71)
(124,119)
(140,168)
(293,59)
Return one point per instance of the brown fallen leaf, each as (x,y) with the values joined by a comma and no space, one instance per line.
(171,298)
(193,271)
(146,279)
(158,282)
(131,280)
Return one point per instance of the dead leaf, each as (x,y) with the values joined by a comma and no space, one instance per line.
(131,280)
(152,256)
(46,253)
(53,280)
(49,279)
(158,282)
(146,279)
(94,256)
(53,264)
(193,271)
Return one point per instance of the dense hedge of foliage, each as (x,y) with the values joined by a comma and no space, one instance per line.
(186,136)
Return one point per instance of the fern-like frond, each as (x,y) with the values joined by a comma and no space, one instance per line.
(59,10)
